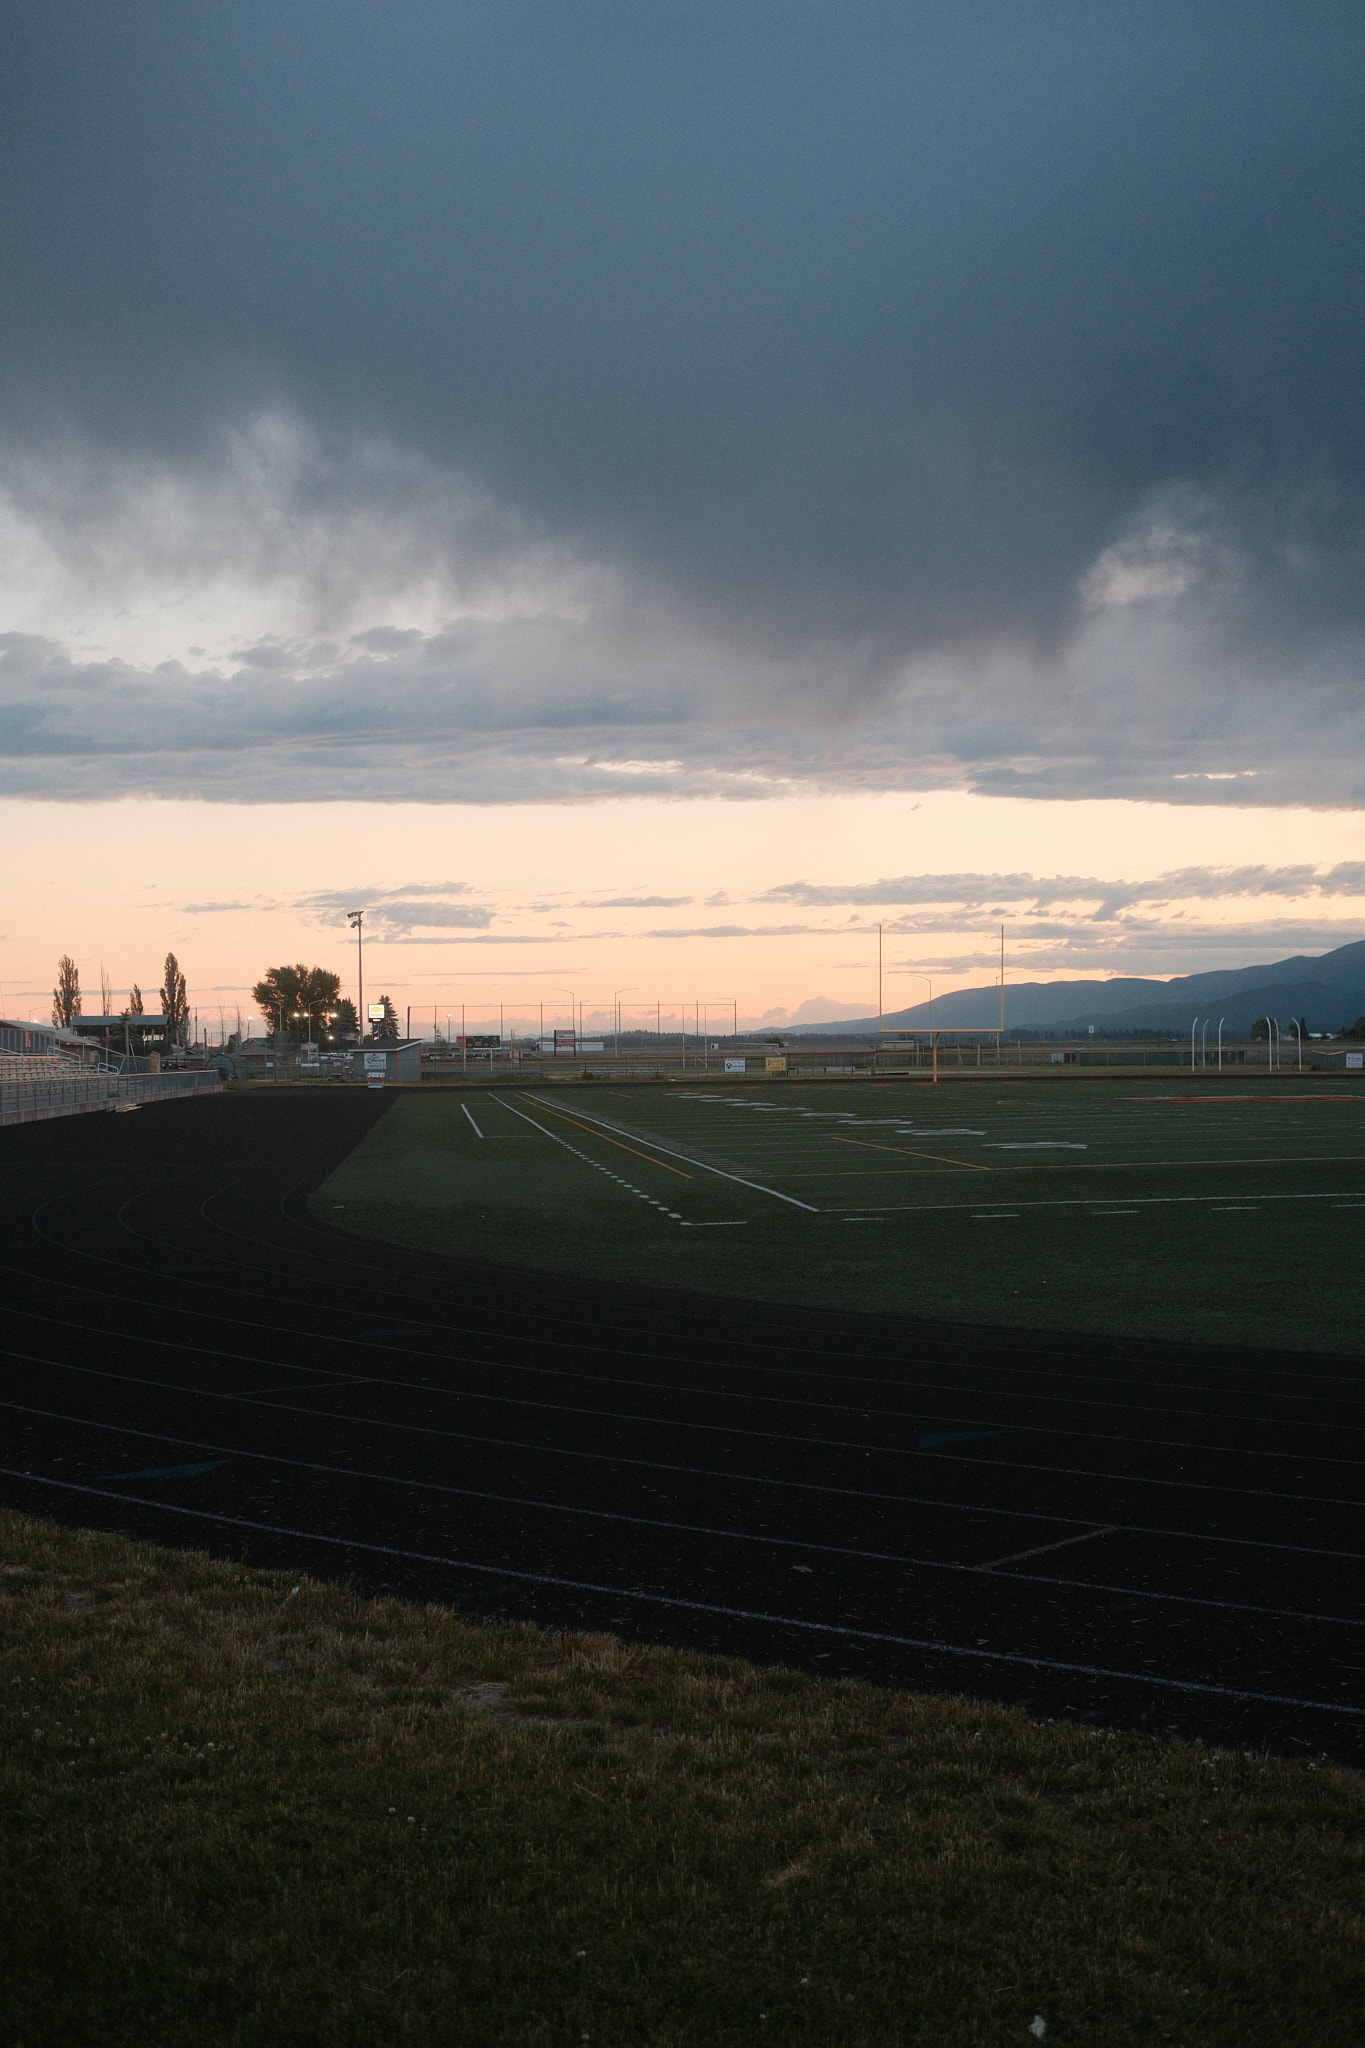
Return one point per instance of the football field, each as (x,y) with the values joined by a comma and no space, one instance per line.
(1193,1208)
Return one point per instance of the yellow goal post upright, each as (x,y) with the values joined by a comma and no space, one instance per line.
(908,1040)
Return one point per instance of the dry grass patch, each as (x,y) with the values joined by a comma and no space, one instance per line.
(253,1809)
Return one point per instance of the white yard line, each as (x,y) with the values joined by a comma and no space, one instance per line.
(477,1132)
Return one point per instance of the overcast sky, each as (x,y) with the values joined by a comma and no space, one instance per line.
(551,404)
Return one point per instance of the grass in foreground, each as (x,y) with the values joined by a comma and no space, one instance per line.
(242,1807)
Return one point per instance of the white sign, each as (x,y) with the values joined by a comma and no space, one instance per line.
(1355,1059)
(375,1012)
(734,1066)
(375,1062)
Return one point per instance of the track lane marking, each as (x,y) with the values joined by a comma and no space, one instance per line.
(824,1628)
(1041,1549)
(860,1493)
(230,1453)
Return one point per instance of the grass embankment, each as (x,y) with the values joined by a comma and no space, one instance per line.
(242,1807)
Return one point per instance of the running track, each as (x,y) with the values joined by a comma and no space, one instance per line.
(1135,1534)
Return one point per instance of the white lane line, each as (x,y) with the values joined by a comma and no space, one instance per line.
(755,1536)
(477,1132)
(621,1131)
(1041,1549)
(824,1628)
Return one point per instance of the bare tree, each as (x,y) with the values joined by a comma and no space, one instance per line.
(66,996)
(175,1005)
(106,993)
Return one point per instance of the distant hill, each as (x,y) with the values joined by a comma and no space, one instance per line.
(1329,990)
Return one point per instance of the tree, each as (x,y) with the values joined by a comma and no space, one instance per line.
(344,1024)
(385,1032)
(66,996)
(175,1006)
(306,994)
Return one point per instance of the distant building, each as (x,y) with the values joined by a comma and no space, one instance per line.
(400,1062)
(38,1041)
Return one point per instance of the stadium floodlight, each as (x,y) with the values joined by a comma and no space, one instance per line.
(356,920)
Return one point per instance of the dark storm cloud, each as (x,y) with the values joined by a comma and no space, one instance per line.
(836,338)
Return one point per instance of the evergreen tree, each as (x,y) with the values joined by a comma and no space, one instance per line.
(66,996)
(385,1032)
(175,1006)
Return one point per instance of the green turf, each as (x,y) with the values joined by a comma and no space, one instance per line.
(1228,1212)
(243,1810)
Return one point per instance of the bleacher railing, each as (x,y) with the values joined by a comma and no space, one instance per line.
(35,1088)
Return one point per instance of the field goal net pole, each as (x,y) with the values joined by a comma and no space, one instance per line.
(976,1031)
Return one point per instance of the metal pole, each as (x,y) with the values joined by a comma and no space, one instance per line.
(1204,1045)
(464,1047)
(1193,1027)
(1220,1045)
(1299,1029)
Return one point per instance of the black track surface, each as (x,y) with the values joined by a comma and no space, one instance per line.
(185,1355)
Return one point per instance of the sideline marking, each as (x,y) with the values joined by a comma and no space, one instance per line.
(870,1145)
(477,1132)
(824,1628)
(704,1164)
(649,1160)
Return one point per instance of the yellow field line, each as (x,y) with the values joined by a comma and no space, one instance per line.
(869,1146)
(589,1132)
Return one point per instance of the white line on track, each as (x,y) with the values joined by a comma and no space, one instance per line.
(1038,1550)
(824,1628)
(477,1132)
(229,1452)
(860,1493)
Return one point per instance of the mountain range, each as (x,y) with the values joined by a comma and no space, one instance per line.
(1327,989)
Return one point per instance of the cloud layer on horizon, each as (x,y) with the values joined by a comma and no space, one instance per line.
(553,402)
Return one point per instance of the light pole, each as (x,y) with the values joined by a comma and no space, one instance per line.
(1204,1043)
(1193,1028)
(616,1004)
(1299,1030)
(1220,1044)
(356,920)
